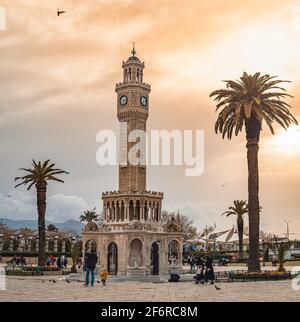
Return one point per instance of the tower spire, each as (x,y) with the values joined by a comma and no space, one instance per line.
(133,50)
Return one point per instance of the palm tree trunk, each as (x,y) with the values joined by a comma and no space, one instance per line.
(240,225)
(253,204)
(253,128)
(41,206)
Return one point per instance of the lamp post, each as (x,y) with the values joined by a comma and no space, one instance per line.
(287,229)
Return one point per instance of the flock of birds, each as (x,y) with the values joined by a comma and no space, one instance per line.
(78,281)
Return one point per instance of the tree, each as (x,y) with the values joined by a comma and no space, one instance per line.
(39,175)
(248,102)
(52,227)
(185,224)
(4,230)
(89,216)
(239,209)
(3,226)
(279,249)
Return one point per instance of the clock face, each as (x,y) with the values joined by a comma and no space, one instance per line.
(144,101)
(123,100)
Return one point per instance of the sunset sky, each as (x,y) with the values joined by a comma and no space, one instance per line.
(58,77)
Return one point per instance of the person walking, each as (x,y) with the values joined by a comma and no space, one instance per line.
(58,262)
(192,262)
(209,270)
(66,263)
(90,266)
(51,260)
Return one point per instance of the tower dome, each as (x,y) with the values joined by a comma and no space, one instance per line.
(133,68)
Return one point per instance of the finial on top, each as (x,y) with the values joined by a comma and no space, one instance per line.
(133,50)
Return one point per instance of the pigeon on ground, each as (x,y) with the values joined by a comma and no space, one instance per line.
(54,281)
(68,281)
(217,287)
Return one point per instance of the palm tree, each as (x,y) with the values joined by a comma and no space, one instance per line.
(89,216)
(239,209)
(39,175)
(248,102)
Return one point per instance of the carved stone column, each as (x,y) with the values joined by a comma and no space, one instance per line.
(47,245)
(159,213)
(127,212)
(151,213)
(29,244)
(20,245)
(11,243)
(1,242)
(63,246)
(55,247)
(37,245)
(142,209)
(111,215)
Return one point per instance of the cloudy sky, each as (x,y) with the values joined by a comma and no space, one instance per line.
(57,81)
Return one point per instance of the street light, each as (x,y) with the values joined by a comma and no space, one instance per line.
(287,229)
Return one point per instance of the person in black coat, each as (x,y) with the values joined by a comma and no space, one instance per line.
(209,270)
(90,262)
(199,277)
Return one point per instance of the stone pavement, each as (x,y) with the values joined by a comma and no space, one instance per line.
(33,289)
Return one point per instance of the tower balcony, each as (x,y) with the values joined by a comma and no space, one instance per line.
(125,207)
(135,83)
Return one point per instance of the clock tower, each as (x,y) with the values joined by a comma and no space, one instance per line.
(133,109)
(133,239)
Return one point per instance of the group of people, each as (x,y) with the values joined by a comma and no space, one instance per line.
(205,270)
(90,261)
(17,261)
(60,262)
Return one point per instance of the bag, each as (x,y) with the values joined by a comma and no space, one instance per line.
(174,278)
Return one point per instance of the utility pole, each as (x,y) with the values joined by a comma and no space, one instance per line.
(287,230)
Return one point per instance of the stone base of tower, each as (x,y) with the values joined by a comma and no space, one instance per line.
(136,252)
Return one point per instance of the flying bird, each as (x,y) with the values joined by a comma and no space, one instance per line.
(59,12)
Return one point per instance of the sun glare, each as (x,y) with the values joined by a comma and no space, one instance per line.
(286,143)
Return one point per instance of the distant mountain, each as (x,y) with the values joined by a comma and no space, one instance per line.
(69,225)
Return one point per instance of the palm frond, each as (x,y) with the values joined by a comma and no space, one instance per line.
(256,96)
